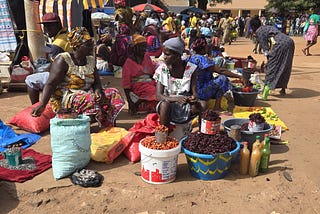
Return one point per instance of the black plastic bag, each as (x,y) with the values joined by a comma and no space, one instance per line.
(86,178)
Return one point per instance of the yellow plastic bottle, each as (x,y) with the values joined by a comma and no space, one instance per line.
(255,160)
(244,159)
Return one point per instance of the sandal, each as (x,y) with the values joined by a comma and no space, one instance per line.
(304,52)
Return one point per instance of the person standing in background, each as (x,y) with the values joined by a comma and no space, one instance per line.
(311,31)
(279,49)
(247,26)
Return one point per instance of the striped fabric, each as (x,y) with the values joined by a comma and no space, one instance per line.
(7,38)
(93,3)
(61,7)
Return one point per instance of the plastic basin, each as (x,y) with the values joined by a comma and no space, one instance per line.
(248,136)
(244,98)
(209,167)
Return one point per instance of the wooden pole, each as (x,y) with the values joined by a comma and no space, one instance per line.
(36,41)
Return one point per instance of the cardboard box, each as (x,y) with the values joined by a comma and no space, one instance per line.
(4,72)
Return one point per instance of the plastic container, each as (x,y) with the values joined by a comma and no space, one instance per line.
(246,75)
(230,65)
(14,158)
(210,127)
(209,167)
(248,136)
(244,98)
(180,130)
(159,166)
(255,127)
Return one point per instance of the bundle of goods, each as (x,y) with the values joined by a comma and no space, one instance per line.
(209,156)
(159,157)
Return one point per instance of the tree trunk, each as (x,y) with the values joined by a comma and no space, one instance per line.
(36,40)
(202,4)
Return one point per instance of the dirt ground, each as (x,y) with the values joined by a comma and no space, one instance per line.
(124,192)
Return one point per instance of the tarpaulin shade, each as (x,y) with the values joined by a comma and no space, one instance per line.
(144,7)
(93,3)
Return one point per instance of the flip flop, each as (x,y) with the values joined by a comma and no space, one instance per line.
(225,113)
(304,52)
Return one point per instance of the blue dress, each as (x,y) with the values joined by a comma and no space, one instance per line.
(209,87)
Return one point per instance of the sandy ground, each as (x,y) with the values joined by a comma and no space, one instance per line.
(124,192)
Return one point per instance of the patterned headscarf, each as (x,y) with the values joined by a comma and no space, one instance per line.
(124,29)
(137,39)
(78,36)
(120,2)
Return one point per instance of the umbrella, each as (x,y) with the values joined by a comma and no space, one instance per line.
(142,7)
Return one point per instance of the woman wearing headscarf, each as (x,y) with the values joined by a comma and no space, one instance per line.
(137,74)
(103,53)
(176,85)
(122,46)
(279,50)
(210,86)
(153,42)
(74,83)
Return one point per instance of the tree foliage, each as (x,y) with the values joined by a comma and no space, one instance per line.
(287,6)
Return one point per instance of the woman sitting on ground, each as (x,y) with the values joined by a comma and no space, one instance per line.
(74,83)
(176,85)
(210,86)
(153,41)
(103,54)
(137,74)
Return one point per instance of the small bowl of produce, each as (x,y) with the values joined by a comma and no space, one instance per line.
(256,122)
(275,133)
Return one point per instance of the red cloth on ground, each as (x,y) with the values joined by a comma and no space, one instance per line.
(43,163)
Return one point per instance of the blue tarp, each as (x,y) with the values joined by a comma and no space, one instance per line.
(8,137)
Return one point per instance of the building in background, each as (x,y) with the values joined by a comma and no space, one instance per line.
(240,7)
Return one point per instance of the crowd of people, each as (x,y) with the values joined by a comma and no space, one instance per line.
(174,63)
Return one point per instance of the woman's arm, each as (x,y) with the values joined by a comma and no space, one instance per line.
(223,71)
(58,71)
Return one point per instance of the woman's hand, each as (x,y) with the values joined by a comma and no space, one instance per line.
(100,97)
(37,111)
(192,99)
(181,99)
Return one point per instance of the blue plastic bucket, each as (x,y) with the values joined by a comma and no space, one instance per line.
(209,167)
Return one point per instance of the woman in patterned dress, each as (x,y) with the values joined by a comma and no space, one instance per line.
(311,33)
(279,50)
(212,81)
(176,85)
(74,83)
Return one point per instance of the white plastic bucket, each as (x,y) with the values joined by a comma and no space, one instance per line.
(159,166)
